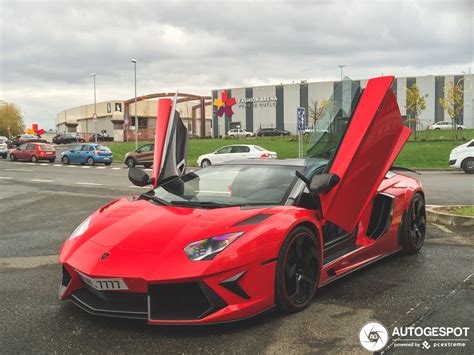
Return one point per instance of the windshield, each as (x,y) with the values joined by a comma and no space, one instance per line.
(331,125)
(229,185)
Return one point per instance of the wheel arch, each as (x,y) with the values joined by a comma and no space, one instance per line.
(317,232)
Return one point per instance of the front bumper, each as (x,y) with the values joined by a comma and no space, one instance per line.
(202,300)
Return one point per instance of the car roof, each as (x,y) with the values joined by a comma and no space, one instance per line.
(272,162)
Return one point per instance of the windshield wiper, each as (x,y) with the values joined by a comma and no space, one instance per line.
(208,204)
(154,199)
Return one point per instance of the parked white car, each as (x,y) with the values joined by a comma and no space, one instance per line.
(444,125)
(3,148)
(233,152)
(462,157)
(239,133)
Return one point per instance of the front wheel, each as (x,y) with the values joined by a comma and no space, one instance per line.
(205,163)
(130,162)
(34,159)
(298,270)
(468,166)
(413,229)
(12,157)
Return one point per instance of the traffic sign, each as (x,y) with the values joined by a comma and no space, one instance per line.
(300,119)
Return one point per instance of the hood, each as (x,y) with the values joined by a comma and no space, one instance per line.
(142,225)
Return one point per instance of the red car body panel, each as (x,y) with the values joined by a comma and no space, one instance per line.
(142,243)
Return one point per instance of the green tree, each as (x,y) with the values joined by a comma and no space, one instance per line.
(415,105)
(452,103)
(10,116)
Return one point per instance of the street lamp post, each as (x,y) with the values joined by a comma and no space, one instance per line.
(134,61)
(342,69)
(94,116)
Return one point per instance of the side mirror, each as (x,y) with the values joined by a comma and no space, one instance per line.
(138,177)
(323,183)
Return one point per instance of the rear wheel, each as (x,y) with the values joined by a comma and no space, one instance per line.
(90,161)
(130,162)
(232,136)
(65,160)
(468,166)
(413,230)
(298,270)
(34,159)
(12,157)
(205,163)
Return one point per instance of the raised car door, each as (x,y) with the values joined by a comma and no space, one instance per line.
(374,136)
(171,143)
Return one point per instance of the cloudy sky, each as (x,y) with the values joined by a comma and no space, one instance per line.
(49,49)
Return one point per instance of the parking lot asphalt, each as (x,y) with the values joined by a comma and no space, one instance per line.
(41,204)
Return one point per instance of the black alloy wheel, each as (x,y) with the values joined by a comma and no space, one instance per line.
(414,225)
(298,270)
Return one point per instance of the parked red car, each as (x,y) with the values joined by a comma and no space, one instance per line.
(34,152)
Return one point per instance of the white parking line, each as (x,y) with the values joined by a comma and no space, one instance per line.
(23,170)
(139,187)
(44,164)
(31,163)
(89,183)
(85,167)
(100,167)
(116,168)
(72,166)
(5,177)
(57,165)
(40,180)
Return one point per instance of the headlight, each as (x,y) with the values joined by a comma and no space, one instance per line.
(207,249)
(80,229)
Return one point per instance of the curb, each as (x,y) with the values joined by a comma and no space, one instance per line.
(447,219)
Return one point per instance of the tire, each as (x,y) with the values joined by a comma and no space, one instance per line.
(205,163)
(232,136)
(468,165)
(248,136)
(65,160)
(437,129)
(12,157)
(107,164)
(34,159)
(147,166)
(130,162)
(90,161)
(297,271)
(413,228)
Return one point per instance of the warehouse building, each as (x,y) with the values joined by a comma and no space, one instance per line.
(274,106)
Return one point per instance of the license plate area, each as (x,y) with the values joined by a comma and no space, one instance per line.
(104,284)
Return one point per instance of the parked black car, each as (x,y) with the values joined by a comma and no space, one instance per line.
(26,138)
(271,132)
(67,138)
(101,137)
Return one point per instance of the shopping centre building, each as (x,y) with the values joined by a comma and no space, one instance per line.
(251,108)
(117,117)
(275,106)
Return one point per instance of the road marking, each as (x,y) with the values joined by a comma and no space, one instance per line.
(116,168)
(5,177)
(31,163)
(57,165)
(89,183)
(40,180)
(44,164)
(28,262)
(23,170)
(72,166)
(443,228)
(100,167)
(139,187)
(85,167)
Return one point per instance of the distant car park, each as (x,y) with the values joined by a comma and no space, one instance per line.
(263,132)
(33,152)
(67,139)
(3,147)
(234,152)
(141,156)
(26,138)
(462,157)
(101,137)
(240,133)
(444,125)
(88,153)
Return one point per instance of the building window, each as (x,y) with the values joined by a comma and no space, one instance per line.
(142,122)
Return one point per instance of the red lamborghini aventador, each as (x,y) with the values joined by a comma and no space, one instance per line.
(232,240)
